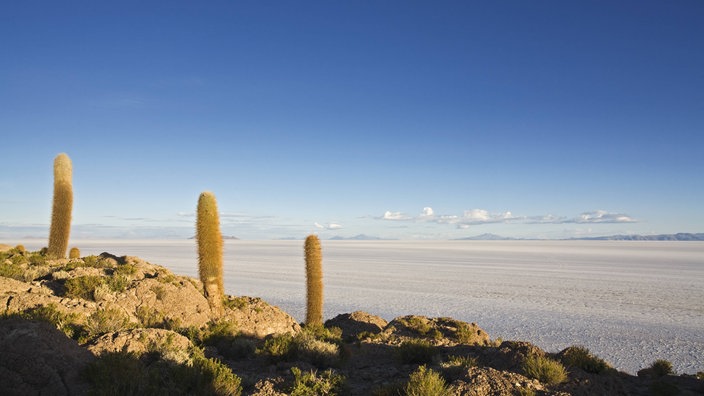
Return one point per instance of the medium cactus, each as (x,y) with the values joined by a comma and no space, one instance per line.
(74,253)
(314,281)
(62,206)
(210,251)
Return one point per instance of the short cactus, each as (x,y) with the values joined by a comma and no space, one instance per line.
(62,206)
(314,281)
(74,253)
(210,251)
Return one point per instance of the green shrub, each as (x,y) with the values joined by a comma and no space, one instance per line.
(37,258)
(118,283)
(67,323)
(83,286)
(662,368)
(454,366)
(123,373)
(238,303)
(416,352)
(152,318)
(526,392)
(11,270)
(580,357)
(106,320)
(417,324)
(329,334)
(125,269)
(278,348)
(312,383)
(426,382)
(221,380)
(545,370)
(318,352)
(304,346)
(466,334)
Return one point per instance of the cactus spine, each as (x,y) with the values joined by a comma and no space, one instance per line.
(62,206)
(314,281)
(210,251)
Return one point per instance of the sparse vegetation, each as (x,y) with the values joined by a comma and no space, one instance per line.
(580,357)
(67,323)
(545,370)
(311,383)
(416,352)
(106,320)
(83,286)
(662,368)
(122,373)
(426,382)
(456,365)
(466,334)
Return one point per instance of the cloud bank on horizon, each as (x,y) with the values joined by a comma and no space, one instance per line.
(475,217)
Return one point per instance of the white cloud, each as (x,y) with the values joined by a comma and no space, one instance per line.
(395,216)
(482,216)
(329,226)
(601,216)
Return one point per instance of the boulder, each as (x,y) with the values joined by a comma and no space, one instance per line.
(358,322)
(38,359)
(256,318)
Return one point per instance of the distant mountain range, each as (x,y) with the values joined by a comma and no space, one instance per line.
(486,237)
(682,236)
(360,237)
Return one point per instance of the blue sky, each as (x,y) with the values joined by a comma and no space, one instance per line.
(399,119)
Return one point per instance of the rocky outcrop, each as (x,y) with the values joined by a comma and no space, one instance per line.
(357,323)
(37,359)
(256,318)
(169,344)
(438,331)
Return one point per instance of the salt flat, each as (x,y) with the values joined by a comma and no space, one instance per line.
(629,302)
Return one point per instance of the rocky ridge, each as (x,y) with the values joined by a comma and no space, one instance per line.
(61,319)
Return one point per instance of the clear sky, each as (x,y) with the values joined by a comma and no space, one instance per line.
(397,119)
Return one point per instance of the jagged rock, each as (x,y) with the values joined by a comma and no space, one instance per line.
(355,323)
(510,355)
(486,381)
(171,345)
(16,296)
(38,359)
(170,298)
(256,318)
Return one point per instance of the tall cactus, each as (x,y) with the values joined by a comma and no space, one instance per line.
(314,281)
(62,206)
(210,251)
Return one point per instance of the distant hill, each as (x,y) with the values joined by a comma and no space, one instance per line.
(360,237)
(682,236)
(486,237)
(224,237)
